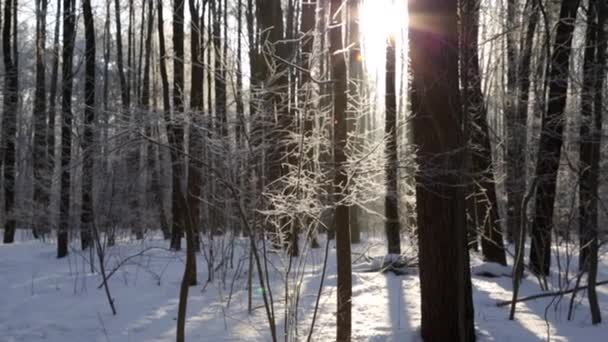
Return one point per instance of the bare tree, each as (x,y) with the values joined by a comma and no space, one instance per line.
(550,144)
(341,218)
(447,311)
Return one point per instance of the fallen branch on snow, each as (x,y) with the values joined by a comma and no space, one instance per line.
(547,294)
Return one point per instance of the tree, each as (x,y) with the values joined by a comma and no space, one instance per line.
(86,215)
(391,202)
(9,118)
(67,80)
(550,144)
(590,138)
(485,205)
(176,127)
(39,152)
(447,311)
(355,77)
(341,217)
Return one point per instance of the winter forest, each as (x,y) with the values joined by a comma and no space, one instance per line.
(303,170)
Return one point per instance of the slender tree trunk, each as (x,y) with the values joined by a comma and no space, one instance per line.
(69,32)
(485,205)
(391,201)
(176,126)
(168,233)
(124,90)
(447,311)
(86,216)
(550,144)
(355,84)
(39,157)
(9,120)
(341,219)
(516,148)
(155,193)
(50,134)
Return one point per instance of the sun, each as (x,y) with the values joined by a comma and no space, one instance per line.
(379,19)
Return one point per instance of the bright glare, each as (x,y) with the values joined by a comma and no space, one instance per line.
(378,20)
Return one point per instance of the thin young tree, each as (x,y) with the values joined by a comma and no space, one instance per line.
(39,152)
(86,215)
(447,310)
(341,218)
(550,145)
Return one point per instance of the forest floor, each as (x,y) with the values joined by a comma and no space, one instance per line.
(46,299)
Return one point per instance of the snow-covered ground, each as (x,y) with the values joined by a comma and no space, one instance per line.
(46,299)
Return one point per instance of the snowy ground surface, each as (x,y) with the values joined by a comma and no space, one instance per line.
(45,299)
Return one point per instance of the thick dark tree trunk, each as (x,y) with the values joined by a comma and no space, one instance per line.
(391,201)
(514,176)
(550,144)
(485,206)
(86,216)
(341,219)
(9,120)
(590,138)
(195,149)
(42,178)
(67,77)
(447,311)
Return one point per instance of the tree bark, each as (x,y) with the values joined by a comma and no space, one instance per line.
(176,126)
(391,201)
(485,205)
(590,139)
(69,33)
(341,219)
(9,121)
(39,153)
(86,216)
(447,311)
(550,144)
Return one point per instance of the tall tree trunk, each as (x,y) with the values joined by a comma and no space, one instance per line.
(550,144)
(514,170)
(590,143)
(195,166)
(391,201)
(156,195)
(516,148)
(50,137)
(341,219)
(67,79)
(355,84)
(447,311)
(168,233)
(9,120)
(485,205)
(124,90)
(86,215)
(176,126)
(40,158)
